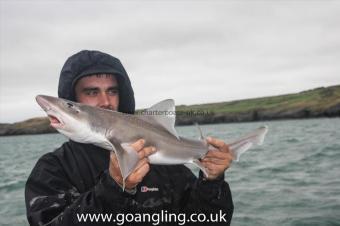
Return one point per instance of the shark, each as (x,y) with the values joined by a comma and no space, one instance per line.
(116,131)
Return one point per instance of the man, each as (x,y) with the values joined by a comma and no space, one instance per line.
(84,179)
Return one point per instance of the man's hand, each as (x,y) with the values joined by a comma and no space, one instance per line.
(141,169)
(217,161)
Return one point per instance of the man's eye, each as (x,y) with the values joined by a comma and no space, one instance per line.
(91,93)
(113,92)
(69,105)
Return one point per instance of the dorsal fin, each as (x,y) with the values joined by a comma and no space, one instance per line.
(201,137)
(163,114)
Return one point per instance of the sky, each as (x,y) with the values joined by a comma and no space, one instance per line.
(191,51)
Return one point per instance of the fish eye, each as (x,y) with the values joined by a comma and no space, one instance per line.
(74,108)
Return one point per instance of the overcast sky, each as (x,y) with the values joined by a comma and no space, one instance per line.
(193,52)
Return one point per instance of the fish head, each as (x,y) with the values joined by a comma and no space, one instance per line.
(66,116)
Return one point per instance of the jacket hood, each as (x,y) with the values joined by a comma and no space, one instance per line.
(89,62)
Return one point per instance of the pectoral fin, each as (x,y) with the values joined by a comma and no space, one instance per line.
(127,158)
(197,163)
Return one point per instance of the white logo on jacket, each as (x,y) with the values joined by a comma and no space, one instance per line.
(147,189)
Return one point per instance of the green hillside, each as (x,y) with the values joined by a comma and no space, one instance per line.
(319,102)
(316,99)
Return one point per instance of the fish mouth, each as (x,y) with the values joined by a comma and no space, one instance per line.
(46,106)
(55,121)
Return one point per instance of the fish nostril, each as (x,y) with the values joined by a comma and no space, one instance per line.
(43,103)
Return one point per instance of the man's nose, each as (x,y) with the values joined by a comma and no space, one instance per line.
(104,101)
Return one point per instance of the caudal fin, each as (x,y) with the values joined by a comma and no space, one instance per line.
(241,145)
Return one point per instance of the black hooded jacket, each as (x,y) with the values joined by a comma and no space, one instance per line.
(74,179)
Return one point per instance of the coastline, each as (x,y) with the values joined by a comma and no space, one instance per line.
(315,103)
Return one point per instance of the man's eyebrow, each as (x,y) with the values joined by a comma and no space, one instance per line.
(86,89)
(113,87)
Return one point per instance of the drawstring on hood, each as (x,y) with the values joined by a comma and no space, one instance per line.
(90,62)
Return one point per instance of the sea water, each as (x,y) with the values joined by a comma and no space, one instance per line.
(293,179)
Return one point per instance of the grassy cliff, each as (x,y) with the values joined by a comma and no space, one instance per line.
(319,102)
(31,126)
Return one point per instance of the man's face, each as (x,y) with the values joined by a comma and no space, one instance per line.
(98,91)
